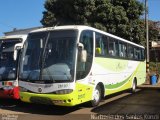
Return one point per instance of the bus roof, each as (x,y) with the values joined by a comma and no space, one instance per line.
(23,37)
(83,27)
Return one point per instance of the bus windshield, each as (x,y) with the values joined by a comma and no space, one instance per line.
(8,66)
(49,56)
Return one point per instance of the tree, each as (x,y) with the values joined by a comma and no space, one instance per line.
(119,17)
(132,29)
(153,30)
(65,12)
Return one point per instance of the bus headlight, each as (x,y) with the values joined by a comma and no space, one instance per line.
(22,89)
(65,91)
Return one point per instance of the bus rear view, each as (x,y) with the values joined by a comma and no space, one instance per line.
(9,55)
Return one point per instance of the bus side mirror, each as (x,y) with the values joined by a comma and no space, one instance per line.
(15,54)
(82,54)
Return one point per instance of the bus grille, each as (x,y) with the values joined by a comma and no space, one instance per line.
(41,100)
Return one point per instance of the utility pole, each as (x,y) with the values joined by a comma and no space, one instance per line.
(147,35)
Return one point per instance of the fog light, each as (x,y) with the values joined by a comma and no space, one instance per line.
(66,91)
(58,101)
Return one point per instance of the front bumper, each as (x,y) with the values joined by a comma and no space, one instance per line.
(53,99)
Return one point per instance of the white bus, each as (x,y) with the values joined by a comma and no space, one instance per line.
(70,65)
(9,55)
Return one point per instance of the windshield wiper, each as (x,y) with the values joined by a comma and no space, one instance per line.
(43,56)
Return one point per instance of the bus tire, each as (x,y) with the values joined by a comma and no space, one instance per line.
(134,86)
(97,96)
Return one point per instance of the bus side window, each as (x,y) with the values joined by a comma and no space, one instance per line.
(101,45)
(122,50)
(105,42)
(143,54)
(130,52)
(137,54)
(113,47)
(98,47)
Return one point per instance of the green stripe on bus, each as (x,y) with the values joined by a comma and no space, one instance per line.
(114,86)
(118,84)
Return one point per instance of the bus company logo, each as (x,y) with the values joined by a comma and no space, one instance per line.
(40,90)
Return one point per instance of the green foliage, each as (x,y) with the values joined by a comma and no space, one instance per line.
(154,67)
(119,17)
(153,30)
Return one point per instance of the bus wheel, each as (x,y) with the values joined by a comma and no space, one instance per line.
(134,86)
(96,96)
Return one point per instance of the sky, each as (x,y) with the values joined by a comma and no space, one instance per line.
(22,14)
(154,9)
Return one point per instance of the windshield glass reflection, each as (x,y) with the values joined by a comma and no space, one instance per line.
(49,57)
(8,66)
